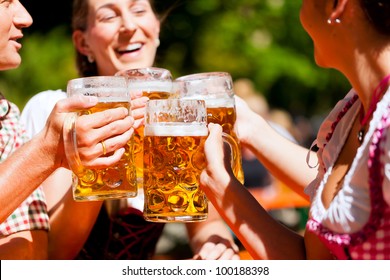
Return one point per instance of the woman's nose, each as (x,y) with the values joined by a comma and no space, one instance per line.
(128,24)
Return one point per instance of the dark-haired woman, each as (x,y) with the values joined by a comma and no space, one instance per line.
(347,172)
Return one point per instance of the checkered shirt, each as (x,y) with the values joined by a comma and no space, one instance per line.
(32,213)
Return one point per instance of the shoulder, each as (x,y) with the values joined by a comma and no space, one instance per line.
(342,107)
(43,102)
(48,97)
(38,108)
(342,113)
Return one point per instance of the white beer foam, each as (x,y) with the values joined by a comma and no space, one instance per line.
(212,102)
(113,99)
(110,94)
(150,85)
(176,129)
(218,103)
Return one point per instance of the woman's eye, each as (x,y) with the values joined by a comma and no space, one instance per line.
(106,16)
(139,9)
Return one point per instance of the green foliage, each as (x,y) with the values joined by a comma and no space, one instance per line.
(262,40)
(47,63)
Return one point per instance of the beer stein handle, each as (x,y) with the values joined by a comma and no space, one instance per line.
(70,144)
(235,161)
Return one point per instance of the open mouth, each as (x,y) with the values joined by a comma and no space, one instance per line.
(130,48)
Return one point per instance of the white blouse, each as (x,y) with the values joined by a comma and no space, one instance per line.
(350,209)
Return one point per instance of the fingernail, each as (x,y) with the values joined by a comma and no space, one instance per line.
(92,99)
(125,111)
(138,94)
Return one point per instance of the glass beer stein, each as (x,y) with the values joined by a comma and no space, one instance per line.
(216,88)
(155,83)
(175,134)
(118,181)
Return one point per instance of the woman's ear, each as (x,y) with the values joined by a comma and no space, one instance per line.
(338,10)
(80,43)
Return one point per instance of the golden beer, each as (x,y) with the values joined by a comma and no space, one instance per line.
(173,161)
(155,83)
(216,89)
(117,181)
(139,134)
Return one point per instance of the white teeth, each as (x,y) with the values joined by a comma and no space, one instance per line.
(133,47)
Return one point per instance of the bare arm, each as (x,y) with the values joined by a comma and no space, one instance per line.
(71,222)
(262,236)
(21,174)
(23,171)
(32,163)
(24,245)
(283,158)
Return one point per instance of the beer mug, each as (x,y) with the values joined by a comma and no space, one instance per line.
(155,83)
(175,134)
(216,88)
(119,180)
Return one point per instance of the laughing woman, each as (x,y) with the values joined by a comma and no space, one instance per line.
(24,164)
(109,36)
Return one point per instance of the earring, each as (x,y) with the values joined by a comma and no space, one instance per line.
(90,58)
(330,21)
(157,42)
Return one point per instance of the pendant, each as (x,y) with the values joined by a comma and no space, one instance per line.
(360,135)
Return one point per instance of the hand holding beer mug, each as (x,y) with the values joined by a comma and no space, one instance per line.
(216,88)
(118,180)
(175,133)
(155,83)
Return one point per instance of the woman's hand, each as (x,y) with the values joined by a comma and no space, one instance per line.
(113,126)
(217,248)
(138,104)
(246,120)
(218,172)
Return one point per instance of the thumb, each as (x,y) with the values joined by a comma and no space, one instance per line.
(76,102)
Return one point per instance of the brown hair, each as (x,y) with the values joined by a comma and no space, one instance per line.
(378,13)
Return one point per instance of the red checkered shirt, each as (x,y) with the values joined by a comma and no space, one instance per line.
(32,213)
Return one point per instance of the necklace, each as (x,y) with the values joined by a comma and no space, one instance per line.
(379,90)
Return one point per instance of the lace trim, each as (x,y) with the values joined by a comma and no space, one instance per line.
(375,183)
